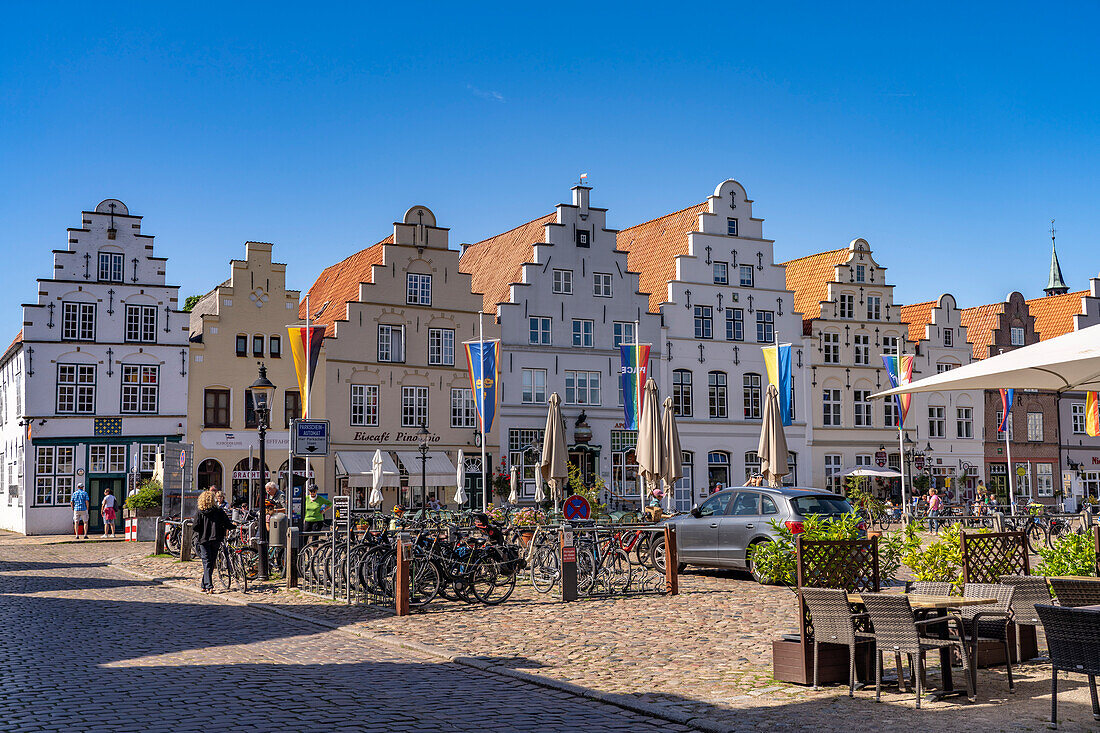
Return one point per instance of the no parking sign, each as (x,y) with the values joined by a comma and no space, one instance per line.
(576,507)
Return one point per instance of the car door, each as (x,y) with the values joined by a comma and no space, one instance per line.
(737,527)
(697,537)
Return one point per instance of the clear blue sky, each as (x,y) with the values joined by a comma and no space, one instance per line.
(946,135)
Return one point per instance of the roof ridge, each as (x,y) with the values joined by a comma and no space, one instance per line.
(662,216)
(509,231)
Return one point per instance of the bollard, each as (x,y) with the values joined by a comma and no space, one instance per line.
(185,541)
(159,548)
(401,582)
(672,562)
(290,572)
(568,565)
(998,522)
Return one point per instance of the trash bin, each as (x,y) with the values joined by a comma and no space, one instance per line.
(276,530)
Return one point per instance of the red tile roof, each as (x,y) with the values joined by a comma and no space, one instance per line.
(1054,314)
(338,285)
(979,322)
(495,263)
(917,315)
(809,278)
(652,248)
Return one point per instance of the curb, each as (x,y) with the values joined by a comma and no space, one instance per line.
(395,642)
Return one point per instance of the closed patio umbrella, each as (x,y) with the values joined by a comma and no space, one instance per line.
(554,465)
(513,481)
(651,464)
(773,443)
(460,477)
(376,474)
(670,447)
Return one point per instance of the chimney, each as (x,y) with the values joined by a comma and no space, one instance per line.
(580,197)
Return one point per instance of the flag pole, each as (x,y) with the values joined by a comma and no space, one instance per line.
(484,473)
(901,441)
(1010,483)
(305,479)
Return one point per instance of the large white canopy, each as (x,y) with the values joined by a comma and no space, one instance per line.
(870,471)
(1067,363)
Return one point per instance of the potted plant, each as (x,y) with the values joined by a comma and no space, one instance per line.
(526,520)
(145,506)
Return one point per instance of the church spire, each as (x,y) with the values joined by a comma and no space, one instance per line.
(1055,284)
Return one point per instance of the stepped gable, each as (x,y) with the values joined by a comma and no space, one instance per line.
(652,248)
(809,278)
(917,315)
(1054,313)
(494,264)
(338,285)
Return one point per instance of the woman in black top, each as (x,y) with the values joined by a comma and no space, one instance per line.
(211,524)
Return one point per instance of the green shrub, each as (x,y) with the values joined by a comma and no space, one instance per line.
(1072,554)
(148,496)
(775,560)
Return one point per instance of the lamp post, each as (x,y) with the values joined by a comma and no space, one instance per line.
(423,435)
(262,392)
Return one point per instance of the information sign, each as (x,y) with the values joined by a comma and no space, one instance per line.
(310,437)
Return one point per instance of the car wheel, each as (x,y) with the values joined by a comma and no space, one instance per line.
(759,578)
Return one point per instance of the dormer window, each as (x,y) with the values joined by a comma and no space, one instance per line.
(1016,335)
(418,289)
(583,238)
(948,337)
(110,267)
(861,273)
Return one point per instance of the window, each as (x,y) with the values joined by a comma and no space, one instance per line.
(1016,335)
(624,333)
(831,402)
(141,323)
(716,384)
(563,282)
(140,388)
(534,385)
(242,344)
(1023,480)
(215,408)
(601,284)
(964,422)
(364,405)
(874,307)
(937,422)
(718,469)
(863,459)
(753,396)
(704,322)
(582,388)
(890,344)
(463,410)
(292,406)
(847,306)
(391,343)
(752,467)
(624,463)
(418,289)
(684,489)
(833,467)
(251,418)
(210,474)
(582,332)
(735,324)
(53,475)
(731,227)
(97,459)
(1035,427)
(1008,426)
(583,238)
(441,346)
(890,412)
(258,346)
(1044,479)
(765,327)
(832,347)
(862,348)
(863,407)
(148,458)
(681,393)
(522,444)
(791,479)
(1077,410)
(78,321)
(117,462)
(746,276)
(110,267)
(948,337)
(944,366)
(539,330)
(76,389)
(861,273)
(275,347)
(414,407)
(721,273)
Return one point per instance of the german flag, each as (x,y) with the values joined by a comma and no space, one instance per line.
(305,340)
(1092,413)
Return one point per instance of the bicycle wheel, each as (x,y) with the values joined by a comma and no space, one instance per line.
(1036,536)
(250,562)
(172,540)
(619,572)
(242,568)
(545,568)
(490,583)
(223,569)
(424,582)
(586,570)
(657,554)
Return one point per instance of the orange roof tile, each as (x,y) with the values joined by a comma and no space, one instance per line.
(1054,314)
(495,263)
(338,285)
(809,277)
(652,248)
(917,315)
(979,323)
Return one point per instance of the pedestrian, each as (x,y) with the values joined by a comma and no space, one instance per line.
(210,527)
(274,498)
(79,502)
(935,504)
(107,511)
(314,516)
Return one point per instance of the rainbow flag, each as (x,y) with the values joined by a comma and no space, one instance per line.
(305,358)
(777,360)
(484,360)
(1092,413)
(1006,408)
(900,371)
(634,370)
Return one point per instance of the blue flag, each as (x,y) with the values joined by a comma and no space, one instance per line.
(484,360)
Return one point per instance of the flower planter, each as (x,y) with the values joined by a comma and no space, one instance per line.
(146,522)
(525,536)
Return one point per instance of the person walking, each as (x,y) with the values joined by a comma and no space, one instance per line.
(79,502)
(211,524)
(107,511)
(314,517)
(935,504)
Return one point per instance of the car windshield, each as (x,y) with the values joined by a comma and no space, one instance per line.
(806,505)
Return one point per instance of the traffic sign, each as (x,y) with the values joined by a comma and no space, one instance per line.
(310,437)
(576,507)
(1021,471)
(183,459)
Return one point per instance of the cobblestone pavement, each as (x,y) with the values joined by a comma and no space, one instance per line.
(704,655)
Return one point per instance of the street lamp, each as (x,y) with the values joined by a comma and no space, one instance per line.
(423,435)
(262,392)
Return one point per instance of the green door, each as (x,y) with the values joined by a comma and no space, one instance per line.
(96,491)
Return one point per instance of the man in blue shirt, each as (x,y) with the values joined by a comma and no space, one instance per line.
(79,502)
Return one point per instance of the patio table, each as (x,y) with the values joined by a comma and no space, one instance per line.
(1091,578)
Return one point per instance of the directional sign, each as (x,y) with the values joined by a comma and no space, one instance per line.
(576,507)
(310,437)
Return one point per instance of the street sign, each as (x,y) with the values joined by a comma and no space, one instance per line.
(1021,471)
(310,438)
(576,507)
(880,458)
(341,511)
(183,459)
(569,554)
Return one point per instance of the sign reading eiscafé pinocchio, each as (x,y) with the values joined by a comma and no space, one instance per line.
(385,436)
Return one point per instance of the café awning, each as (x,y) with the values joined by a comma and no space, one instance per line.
(440,471)
(358,466)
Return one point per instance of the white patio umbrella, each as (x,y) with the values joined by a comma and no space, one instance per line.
(554,465)
(460,492)
(651,464)
(874,472)
(513,481)
(376,475)
(674,457)
(773,442)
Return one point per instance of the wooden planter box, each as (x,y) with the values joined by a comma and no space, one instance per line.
(791,662)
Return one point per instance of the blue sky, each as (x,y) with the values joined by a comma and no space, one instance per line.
(946,135)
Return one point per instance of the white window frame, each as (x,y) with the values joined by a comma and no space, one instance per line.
(752,393)
(846,306)
(563,282)
(533,384)
(964,422)
(76,388)
(584,333)
(418,288)
(831,346)
(874,307)
(141,324)
(765,327)
(1077,418)
(948,337)
(1016,335)
(582,388)
(414,407)
(463,409)
(441,347)
(538,330)
(937,421)
(720,272)
(704,322)
(831,416)
(364,405)
(601,284)
(746,276)
(623,333)
(1035,427)
(718,395)
(387,346)
(139,389)
(863,409)
(682,393)
(111,265)
(735,324)
(861,344)
(78,321)
(834,464)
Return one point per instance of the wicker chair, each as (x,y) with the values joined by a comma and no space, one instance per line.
(1073,635)
(990,622)
(834,623)
(896,631)
(930,588)
(1076,593)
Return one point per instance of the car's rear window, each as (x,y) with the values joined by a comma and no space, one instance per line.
(805,505)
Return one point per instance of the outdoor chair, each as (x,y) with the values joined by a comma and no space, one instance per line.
(1030,590)
(990,622)
(1073,635)
(897,631)
(834,623)
(930,588)
(1076,593)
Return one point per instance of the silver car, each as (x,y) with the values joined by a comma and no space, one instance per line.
(719,532)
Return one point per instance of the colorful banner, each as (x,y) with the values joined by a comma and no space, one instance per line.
(484,360)
(298,336)
(634,371)
(1006,408)
(1092,413)
(777,359)
(900,374)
